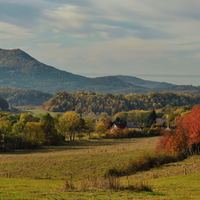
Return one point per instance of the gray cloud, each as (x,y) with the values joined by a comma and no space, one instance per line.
(140,31)
(71,2)
(189,13)
(22,15)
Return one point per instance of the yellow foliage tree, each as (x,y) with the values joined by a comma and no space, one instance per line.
(33,135)
(70,124)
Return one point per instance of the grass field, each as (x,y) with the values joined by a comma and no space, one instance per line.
(35,110)
(41,173)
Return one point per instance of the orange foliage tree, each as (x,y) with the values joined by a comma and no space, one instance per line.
(186,136)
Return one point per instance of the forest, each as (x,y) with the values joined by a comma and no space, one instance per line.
(95,103)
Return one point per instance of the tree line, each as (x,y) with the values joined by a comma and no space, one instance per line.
(95,103)
(28,131)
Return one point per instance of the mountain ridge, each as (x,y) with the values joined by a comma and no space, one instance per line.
(20,70)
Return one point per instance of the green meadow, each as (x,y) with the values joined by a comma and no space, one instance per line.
(45,173)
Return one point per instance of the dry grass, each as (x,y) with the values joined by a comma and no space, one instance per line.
(81,158)
(105,184)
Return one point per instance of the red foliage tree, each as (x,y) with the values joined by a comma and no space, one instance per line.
(186,136)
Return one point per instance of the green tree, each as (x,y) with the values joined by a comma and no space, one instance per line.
(6,130)
(152,118)
(18,128)
(28,117)
(49,130)
(18,131)
(89,125)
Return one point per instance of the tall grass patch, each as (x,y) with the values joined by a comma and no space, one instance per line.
(104,184)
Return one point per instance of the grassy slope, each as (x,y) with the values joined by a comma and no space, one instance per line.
(38,174)
(172,188)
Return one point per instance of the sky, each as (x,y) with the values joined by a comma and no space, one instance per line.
(150,39)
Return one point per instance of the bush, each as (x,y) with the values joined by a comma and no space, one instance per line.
(154,131)
(131,133)
(145,162)
(95,136)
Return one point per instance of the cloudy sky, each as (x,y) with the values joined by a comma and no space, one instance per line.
(150,39)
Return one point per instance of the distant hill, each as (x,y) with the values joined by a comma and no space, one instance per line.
(180,89)
(24,97)
(20,70)
(144,83)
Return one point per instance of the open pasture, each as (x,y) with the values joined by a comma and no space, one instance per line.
(79,158)
(40,173)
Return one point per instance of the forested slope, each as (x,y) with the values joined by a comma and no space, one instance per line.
(23,97)
(87,102)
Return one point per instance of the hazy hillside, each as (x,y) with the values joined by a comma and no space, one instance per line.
(23,97)
(20,70)
(144,83)
(180,89)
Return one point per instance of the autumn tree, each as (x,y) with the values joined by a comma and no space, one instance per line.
(70,124)
(32,135)
(102,126)
(186,137)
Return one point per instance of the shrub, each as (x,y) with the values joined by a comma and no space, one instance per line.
(131,133)
(117,133)
(94,136)
(144,162)
(156,131)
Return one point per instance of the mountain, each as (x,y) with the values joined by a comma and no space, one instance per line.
(20,70)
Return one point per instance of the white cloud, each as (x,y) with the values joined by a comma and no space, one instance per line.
(13,32)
